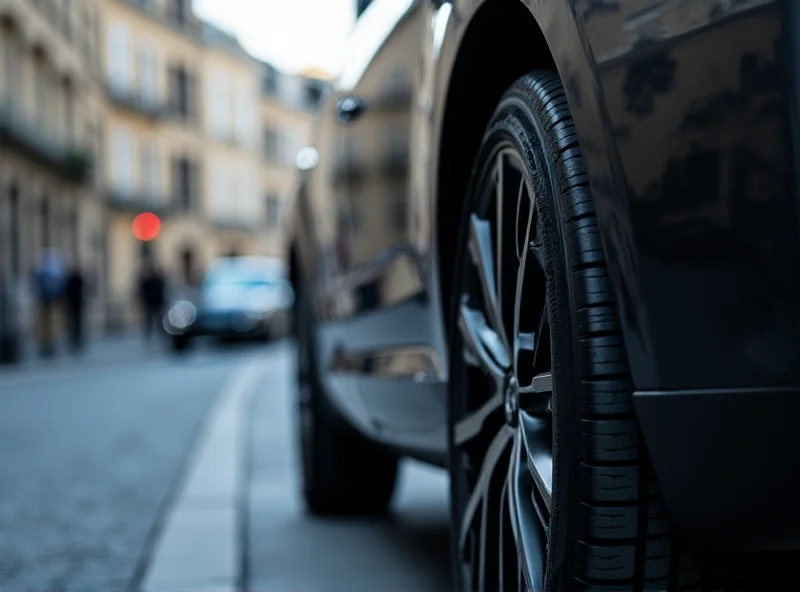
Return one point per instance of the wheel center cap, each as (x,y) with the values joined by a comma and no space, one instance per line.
(512,403)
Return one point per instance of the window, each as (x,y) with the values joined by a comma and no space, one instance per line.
(177,11)
(44,220)
(181,86)
(148,72)
(220,106)
(119,46)
(271,146)
(69,112)
(245,114)
(314,94)
(183,175)
(13,69)
(271,80)
(273,211)
(248,198)
(292,145)
(66,19)
(149,171)
(122,162)
(220,197)
(41,83)
(398,213)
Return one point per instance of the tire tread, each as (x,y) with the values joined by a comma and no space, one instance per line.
(624,540)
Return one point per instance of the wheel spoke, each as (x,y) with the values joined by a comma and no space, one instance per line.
(519,340)
(537,447)
(484,343)
(490,464)
(471,426)
(541,384)
(480,244)
(526,341)
(531,541)
(483,565)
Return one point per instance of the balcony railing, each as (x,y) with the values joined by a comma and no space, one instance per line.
(189,25)
(137,201)
(71,162)
(233,222)
(133,100)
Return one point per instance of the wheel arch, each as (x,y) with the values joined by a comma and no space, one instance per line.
(502,42)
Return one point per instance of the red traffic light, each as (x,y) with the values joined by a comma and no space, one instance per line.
(146,226)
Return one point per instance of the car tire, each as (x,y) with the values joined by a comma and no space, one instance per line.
(180,343)
(601,522)
(343,472)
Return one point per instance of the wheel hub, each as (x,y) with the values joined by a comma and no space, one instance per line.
(512,402)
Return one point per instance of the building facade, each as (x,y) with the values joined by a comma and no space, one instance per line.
(50,118)
(112,108)
(181,141)
(289,103)
(232,145)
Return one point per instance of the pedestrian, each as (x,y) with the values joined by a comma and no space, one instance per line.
(48,287)
(74,302)
(152,296)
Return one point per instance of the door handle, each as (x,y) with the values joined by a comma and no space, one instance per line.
(350,108)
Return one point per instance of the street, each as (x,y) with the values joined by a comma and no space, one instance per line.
(138,470)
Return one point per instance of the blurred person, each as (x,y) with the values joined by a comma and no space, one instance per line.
(152,296)
(74,303)
(49,278)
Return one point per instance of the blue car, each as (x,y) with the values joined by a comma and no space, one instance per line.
(241,297)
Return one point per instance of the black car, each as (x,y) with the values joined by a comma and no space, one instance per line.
(553,247)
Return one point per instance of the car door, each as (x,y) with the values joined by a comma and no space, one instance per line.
(391,330)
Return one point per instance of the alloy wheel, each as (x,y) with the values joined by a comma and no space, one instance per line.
(502,416)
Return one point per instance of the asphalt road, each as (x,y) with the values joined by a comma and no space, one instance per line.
(93,451)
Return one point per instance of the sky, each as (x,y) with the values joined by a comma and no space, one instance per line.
(291,34)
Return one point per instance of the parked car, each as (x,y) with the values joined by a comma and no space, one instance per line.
(552,247)
(241,297)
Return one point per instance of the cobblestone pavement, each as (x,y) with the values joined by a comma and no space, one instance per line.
(89,454)
(290,551)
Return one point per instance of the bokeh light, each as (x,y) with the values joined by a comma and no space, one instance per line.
(146,226)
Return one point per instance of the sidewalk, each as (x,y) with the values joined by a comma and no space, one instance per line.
(237,523)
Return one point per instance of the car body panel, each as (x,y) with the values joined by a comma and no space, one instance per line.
(688,273)
(686,113)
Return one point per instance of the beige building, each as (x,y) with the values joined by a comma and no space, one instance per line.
(50,113)
(181,140)
(233,144)
(288,110)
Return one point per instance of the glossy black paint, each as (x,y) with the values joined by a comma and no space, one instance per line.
(686,112)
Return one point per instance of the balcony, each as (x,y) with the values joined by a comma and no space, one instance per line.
(132,100)
(71,162)
(137,201)
(188,25)
(249,225)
